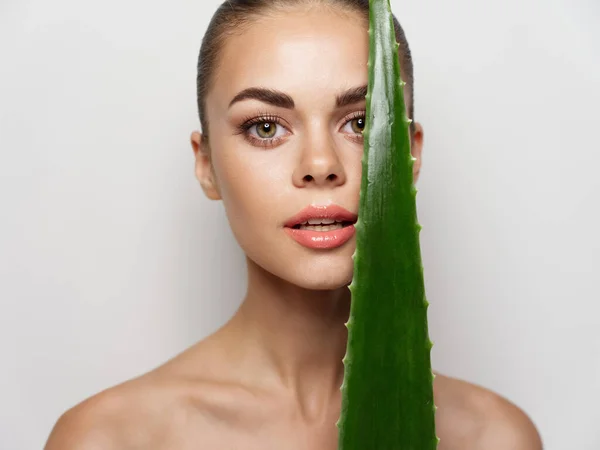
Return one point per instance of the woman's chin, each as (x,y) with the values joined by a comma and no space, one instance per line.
(321,278)
(317,284)
(321,270)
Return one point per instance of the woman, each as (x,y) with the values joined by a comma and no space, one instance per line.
(281,89)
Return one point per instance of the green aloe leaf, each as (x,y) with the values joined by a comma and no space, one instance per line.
(387,394)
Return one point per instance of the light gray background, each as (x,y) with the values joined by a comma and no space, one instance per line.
(112,261)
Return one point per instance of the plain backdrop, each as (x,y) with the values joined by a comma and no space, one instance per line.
(112,261)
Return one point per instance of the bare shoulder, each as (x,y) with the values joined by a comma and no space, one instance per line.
(133,415)
(176,405)
(476,418)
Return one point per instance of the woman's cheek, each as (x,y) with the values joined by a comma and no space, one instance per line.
(254,194)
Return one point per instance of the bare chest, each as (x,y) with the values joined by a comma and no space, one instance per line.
(264,425)
(274,434)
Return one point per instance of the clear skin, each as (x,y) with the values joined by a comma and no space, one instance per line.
(270,377)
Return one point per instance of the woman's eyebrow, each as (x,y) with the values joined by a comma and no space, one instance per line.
(283,100)
(273,97)
(351,96)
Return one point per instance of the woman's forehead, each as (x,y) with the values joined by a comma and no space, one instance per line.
(316,51)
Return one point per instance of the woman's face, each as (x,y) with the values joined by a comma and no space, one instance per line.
(275,152)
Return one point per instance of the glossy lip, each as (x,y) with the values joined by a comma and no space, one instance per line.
(334,212)
(322,239)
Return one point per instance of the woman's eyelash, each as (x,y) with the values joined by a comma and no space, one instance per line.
(268,118)
(262,118)
(356,115)
(254,120)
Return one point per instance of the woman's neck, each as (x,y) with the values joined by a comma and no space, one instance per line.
(294,336)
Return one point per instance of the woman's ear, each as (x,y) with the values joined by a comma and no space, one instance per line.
(203,167)
(416,149)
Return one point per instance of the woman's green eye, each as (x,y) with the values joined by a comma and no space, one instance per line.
(266,130)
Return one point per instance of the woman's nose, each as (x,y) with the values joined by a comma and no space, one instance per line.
(319,164)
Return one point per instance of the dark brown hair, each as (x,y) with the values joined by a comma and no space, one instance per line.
(233,15)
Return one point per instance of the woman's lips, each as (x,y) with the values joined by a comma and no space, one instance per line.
(321,239)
